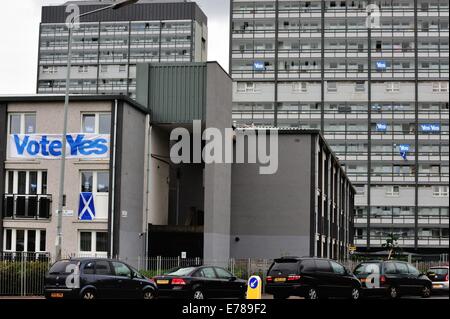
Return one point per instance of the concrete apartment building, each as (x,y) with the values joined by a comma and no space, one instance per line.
(378,94)
(112,181)
(305,209)
(108,45)
(127,198)
(217,211)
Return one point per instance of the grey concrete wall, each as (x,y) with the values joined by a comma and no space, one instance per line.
(131,240)
(217,176)
(270,214)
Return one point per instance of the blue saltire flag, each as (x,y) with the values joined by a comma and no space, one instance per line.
(404,149)
(86,209)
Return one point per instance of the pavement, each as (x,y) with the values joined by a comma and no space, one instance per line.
(265,296)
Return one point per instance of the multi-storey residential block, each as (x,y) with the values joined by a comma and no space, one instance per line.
(375,85)
(108,45)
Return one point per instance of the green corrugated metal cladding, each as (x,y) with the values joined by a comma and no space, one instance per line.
(175,93)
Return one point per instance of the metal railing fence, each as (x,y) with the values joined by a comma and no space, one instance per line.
(23,273)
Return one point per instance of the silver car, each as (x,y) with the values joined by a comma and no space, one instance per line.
(439,277)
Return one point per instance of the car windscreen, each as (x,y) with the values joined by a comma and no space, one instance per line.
(63,267)
(439,271)
(181,272)
(284,268)
(367,269)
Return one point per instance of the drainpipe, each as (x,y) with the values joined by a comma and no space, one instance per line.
(147,192)
(113,177)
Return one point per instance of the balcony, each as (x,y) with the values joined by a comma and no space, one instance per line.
(423,241)
(27,206)
(383,220)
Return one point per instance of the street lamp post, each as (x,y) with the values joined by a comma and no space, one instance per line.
(59,234)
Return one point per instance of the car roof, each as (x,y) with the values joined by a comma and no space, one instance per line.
(90,259)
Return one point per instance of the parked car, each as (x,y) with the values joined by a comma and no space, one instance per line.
(392,279)
(200,283)
(439,277)
(88,278)
(312,278)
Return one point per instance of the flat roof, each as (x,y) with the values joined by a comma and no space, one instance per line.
(145,11)
(73,98)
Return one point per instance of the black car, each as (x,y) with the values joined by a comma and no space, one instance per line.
(200,283)
(97,278)
(312,278)
(392,279)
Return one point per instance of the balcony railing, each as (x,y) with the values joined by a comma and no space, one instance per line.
(27,206)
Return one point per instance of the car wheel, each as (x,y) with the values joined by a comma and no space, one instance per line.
(148,294)
(393,293)
(312,294)
(426,292)
(88,294)
(356,294)
(198,294)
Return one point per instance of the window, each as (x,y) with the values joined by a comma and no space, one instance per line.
(323,266)
(122,68)
(440,191)
(392,191)
(83,69)
(360,86)
(103,68)
(86,182)
(97,183)
(401,268)
(246,87)
(49,70)
(121,270)
(440,87)
(223,274)
(207,273)
(26,182)
(300,87)
(96,123)
(93,242)
(392,87)
(389,268)
(85,241)
(25,195)
(331,87)
(89,268)
(103,268)
(26,240)
(22,123)
(413,271)
(101,241)
(337,268)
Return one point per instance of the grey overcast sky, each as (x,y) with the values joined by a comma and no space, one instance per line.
(19,30)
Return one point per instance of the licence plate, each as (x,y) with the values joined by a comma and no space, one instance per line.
(280,279)
(162,282)
(57,295)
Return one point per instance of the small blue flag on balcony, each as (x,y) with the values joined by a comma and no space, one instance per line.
(404,149)
(86,209)
(259,66)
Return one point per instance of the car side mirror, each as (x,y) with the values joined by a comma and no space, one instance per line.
(233,278)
